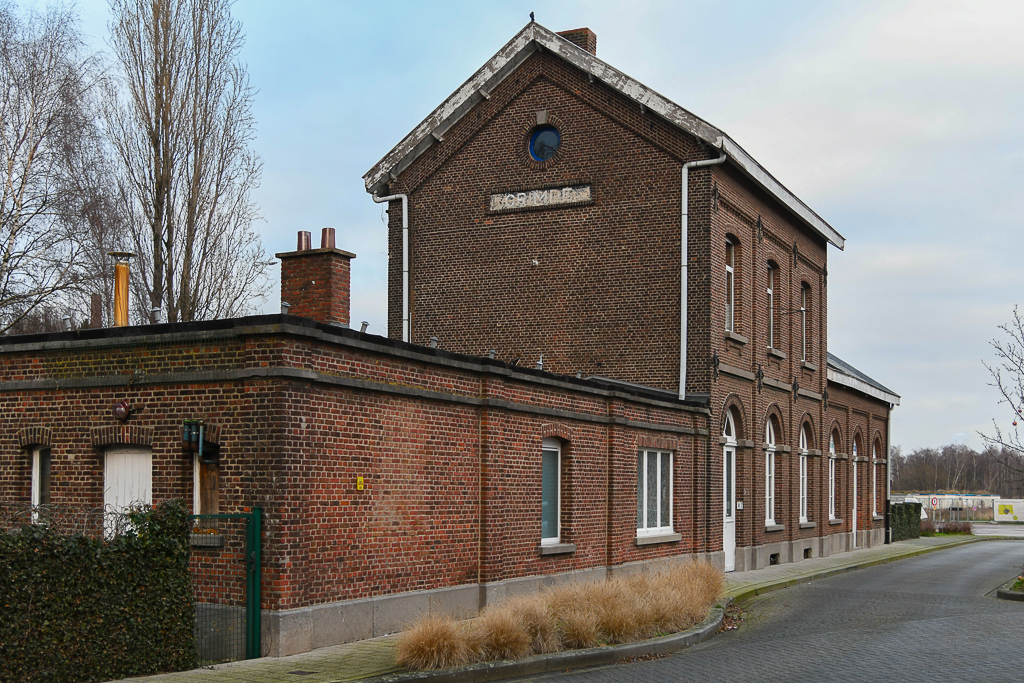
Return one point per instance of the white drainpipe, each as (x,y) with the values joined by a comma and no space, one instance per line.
(405,258)
(684,246)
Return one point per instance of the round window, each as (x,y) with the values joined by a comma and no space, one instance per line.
(544,143)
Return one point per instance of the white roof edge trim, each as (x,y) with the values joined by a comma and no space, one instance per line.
(862,386)
(753,169)
(496,70)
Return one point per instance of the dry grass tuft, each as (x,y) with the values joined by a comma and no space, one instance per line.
(435,642)
(569,617)
(502,633)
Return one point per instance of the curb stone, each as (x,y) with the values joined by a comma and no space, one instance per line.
(558,661)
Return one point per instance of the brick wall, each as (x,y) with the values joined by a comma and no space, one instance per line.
(448,448)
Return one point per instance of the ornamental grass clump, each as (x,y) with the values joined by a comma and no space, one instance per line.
(575,616)
(435,642)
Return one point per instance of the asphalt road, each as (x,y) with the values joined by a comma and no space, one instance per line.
(926,619)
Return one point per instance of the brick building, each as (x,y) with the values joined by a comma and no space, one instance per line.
(556,211)
(394,478)
(538,211)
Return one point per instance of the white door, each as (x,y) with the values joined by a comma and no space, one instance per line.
(127,478)
(729,497)
(854,503)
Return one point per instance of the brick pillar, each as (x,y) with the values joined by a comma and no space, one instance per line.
(582,37)
(315,282)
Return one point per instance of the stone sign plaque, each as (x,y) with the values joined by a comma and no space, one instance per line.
(570,195)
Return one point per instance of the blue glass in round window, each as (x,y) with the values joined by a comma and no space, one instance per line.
(544,143)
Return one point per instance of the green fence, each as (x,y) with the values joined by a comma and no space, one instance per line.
(226,574)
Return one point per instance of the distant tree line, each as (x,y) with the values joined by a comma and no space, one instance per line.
(955,468)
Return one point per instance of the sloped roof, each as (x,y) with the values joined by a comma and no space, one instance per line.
(534,37)
(841,372)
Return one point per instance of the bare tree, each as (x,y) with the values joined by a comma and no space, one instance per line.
(49,88)
(1007,373)
(181,123)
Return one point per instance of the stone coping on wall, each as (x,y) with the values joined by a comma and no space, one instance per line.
(294,326)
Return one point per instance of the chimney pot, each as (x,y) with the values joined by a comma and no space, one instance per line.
(66,320)
(305,241)
(362,328)
(284,307)
(327,238)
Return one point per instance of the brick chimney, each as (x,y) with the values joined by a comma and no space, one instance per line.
(315,282)
(582,37)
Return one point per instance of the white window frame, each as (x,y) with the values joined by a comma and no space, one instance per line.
(730,286)
(769,474)
(771,306)
(832,476)
(644,458)
(803,474)
(874,479)
(803,321)
(550,445)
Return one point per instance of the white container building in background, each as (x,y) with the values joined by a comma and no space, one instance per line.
(958,507)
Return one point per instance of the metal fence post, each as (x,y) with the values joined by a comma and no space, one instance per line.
(253,554)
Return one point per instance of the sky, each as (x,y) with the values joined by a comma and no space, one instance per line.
(900,123)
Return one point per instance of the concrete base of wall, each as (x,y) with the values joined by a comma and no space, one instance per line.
(289,632)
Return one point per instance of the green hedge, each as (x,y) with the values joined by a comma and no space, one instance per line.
(905,520)
(74,608)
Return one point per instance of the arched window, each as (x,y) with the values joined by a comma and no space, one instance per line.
(832,476)
(769,473)
(729,430)
(804,441)
(730,285)
(770,291)
(875,479)
(805,307)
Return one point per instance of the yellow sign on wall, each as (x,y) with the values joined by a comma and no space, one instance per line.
(1006,509)
(359,483)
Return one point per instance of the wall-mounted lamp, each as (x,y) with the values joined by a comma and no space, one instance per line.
(122,410)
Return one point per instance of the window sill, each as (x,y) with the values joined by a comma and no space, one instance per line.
(774,527)
(660,538)
(207,540)
(808,525)
(835,522)
(808,365)
(738,338)
(775,353)
(557,549)
(877,518)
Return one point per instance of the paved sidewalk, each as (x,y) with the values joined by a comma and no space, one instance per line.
(370,658)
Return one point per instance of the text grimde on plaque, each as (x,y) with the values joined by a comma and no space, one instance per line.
(538,199)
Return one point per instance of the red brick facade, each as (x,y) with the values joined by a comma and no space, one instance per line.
(594,288)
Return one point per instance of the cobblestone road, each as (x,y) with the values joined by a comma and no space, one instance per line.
(922,619)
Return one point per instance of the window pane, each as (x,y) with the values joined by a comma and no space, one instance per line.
(728,301)
(728,483)
(666,496)
(640,491)
(44,476)
(549,495)
(652,490)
